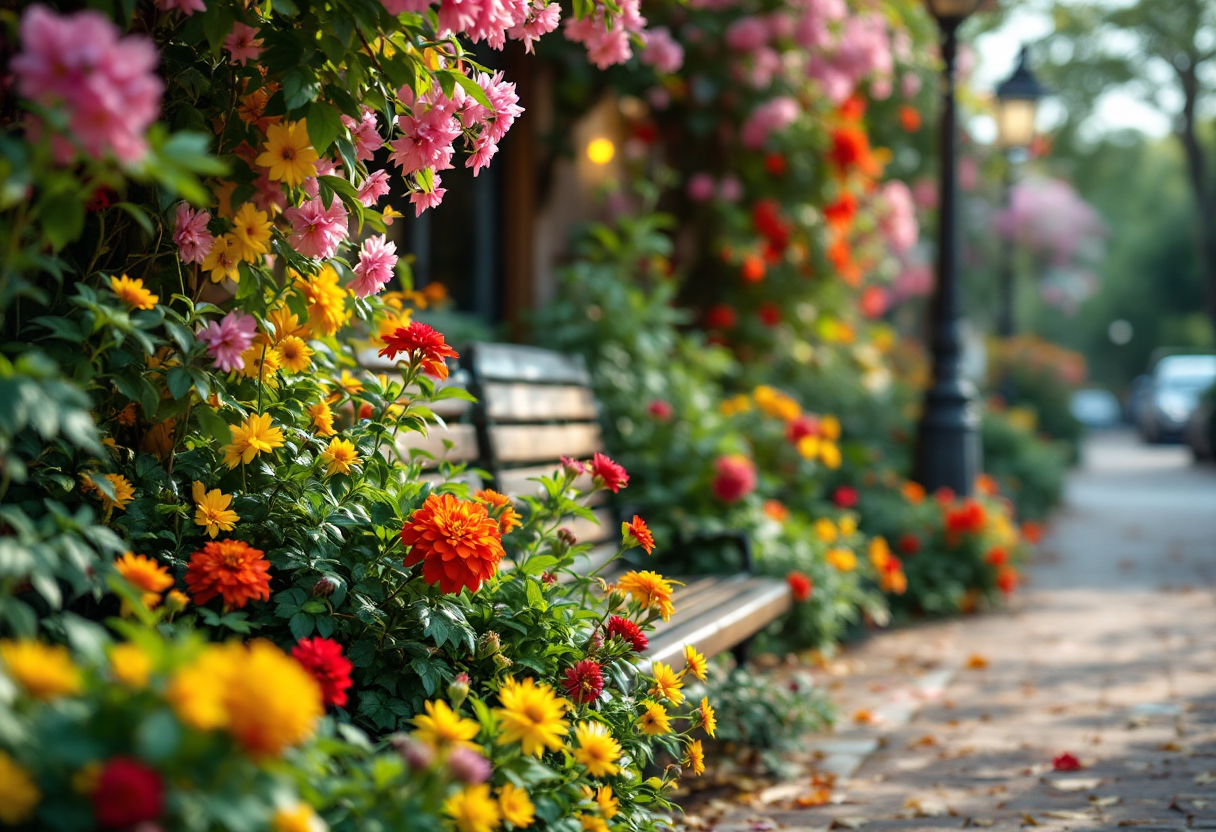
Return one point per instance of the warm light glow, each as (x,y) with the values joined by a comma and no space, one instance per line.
(600,151)
(1015,122)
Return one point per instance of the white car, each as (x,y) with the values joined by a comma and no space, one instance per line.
(1172,395)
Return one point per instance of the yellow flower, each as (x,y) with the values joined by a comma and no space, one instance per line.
(286,324)
(695,662)
(709,720)
(176,601)
(473,809)
(146,575)
(340,457)
(442,728)
(390,323)
(124,492)
(609,805)
(390,214)
(654,719)
(326,300)
(251,228)
(597,750)
(880,553)
(132,293)
(322,418)
(130,665)
(298,818)
(196,691)
(19,794)
(667,684)
(223,259)
(516,807)
(825,530)
(250,438)
(531,714)
(261,362)
(271,701)
(842,559)
(829,454)
(694,758)
(289,154)
(737,404)
(295,354)
(808,447)
(353,385)
(649,589)
(212,510)
(775,403)
(848,525)
(829,428)
(592,823)
(45,671)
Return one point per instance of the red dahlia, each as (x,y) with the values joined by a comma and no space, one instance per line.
(734,478)
(909,544)
(845,497)
(322,657)
(623,628)
(608,474)
(584,682)
(127,793)
(801,585)
(421,342)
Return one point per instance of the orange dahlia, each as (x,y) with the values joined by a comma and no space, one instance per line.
(458,543)
(231,569)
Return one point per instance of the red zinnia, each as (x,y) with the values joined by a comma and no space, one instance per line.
(660,410)
(801,585)
(996,556)
(625,629)
(1007,579)
(323,658)
(769,313)
(966,519)
(720,316)
(800,428)
(1066,762)
(230,569)
(608,474)
(127,793)
(457,541)
(845,496)
(840,214)
(638,531)
(909,544)
(422,343)
(734,478)
(584,682)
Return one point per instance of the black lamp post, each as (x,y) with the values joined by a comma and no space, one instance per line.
(947,446)
(1017,100)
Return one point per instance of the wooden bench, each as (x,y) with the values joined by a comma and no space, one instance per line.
(534,407)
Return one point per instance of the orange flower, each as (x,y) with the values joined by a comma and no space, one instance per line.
(851,151)
(909,118)
(840,214)
(637,532)
(423,344)
(231,569)
(649,589)
(987,485)
(776,510)
(458,543)
(1032,531)
(508,518)
(146,575)
(913,492)
(753,269)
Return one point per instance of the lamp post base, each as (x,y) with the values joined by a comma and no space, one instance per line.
(948,438)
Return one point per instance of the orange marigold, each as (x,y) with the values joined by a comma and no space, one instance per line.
(457,542)
(231,569)
(649,589)
(500,505)
(636,532)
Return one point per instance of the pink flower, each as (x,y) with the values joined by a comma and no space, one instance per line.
(377,259)
(107,86)
(316,230)
(243,43)
(660,410)
(910,84)
(486,20)
(607,44)
(747,34)
(505,101)
(540,21)
(403,6)
(734,478)
(227,339)
(608,474)
(269,195)
(662,52)
(730,189)
(323,167)
(772,116)
(426,140)
(363,133)
(898,222)
(701,187)
(374,187)
(427,199)
(186,7)
(191,234)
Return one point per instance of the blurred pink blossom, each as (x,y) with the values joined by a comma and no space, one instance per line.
(186,7)
(541,20)
(898,221)
(364,134)
(662,52)
(730,189)
(243,43)
(607,44)
(377,259)
(316,230)
(746,34)
(375,186)
(428,199)
(190,233)
(910,84)
(772,116)
(228,338)
(924,193)
(701,187)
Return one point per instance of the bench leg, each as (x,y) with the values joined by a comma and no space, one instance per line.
(741,651)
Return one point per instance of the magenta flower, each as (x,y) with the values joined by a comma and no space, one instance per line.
(191,234)
(377,259)
(186,7)
(243,43)
(426,140)
(402,6)
(541,20)
(701,187)
(772,116)
(374,187)
(427,199)
(363,133)
(227,339)
(316,231)
(662,52)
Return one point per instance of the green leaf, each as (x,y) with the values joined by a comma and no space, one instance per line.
(324,125)
(470,86)
(180,382)
(62,218)
(138,214)
(299,87)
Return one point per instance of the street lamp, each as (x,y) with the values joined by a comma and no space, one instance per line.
(947,446)
(1017,101)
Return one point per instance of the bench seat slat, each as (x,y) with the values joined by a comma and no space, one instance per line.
(534,443)
(538,402)
(464,447)
(514,362)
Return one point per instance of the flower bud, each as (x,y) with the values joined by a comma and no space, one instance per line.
(488,645)
(549,578)
(324,587)
(418,756)
(616,598)
(458,690)
(467,766)
(596,642)
(566,536)
(502,662)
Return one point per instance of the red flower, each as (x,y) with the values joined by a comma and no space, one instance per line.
(968,518)
(127,793)
(766,216)
(774,163)
(845,496)
(997,556)
(625,629)
(1007,579)
(323,658)
(584,682)
(944,495)
(422,343)
(840,214)
(720,316)
(608,474)
(458,543)
(734,478)
(638,531)
(1066,762)
(801,585)
(1032,531)
(660,410)
(909,118)
(230,569)
(873,302)
(753,269)
(769,313)
(851,150)
(801,428)
(909,544)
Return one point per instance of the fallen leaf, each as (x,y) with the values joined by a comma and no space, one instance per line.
(976,662)
(863,717)
(924,742)
(1064,814)
(819,797)
(1205,778)
(1169,746)
(1028,820)
(1076,784)
(926,807)
(848,823)
(1108,800)
(979,822)
(1066,762)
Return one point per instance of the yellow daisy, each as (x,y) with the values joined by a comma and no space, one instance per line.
(597,750)
(251,229)
(531,715)
(841,559)
(289,154)
(286,324)
(654,720)
(130,665)
(709,720)
(516,807)
(696,663)
(649,589)
(473,809)
(609,805)
(222,261)
(44,671)
(295,355)
(250,438)
(132,293)
(442,728)
(19,794)
(212,510)
(667,684)
(322,418)
(340,457)
(694,758)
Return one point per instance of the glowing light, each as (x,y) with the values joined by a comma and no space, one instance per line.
(600,151)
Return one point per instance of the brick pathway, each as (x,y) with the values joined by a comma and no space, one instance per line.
(1109,654)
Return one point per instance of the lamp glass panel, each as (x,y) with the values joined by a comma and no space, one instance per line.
(951,9)
(1015,122)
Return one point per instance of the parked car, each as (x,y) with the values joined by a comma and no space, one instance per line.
(1173,393)
(1199,433)
(1095,408)
(1137,399)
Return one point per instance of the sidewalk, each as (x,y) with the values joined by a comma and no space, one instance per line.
(1109,654)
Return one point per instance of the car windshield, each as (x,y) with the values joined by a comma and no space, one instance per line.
(1186,372)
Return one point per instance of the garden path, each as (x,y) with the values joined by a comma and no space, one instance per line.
(1108,654)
